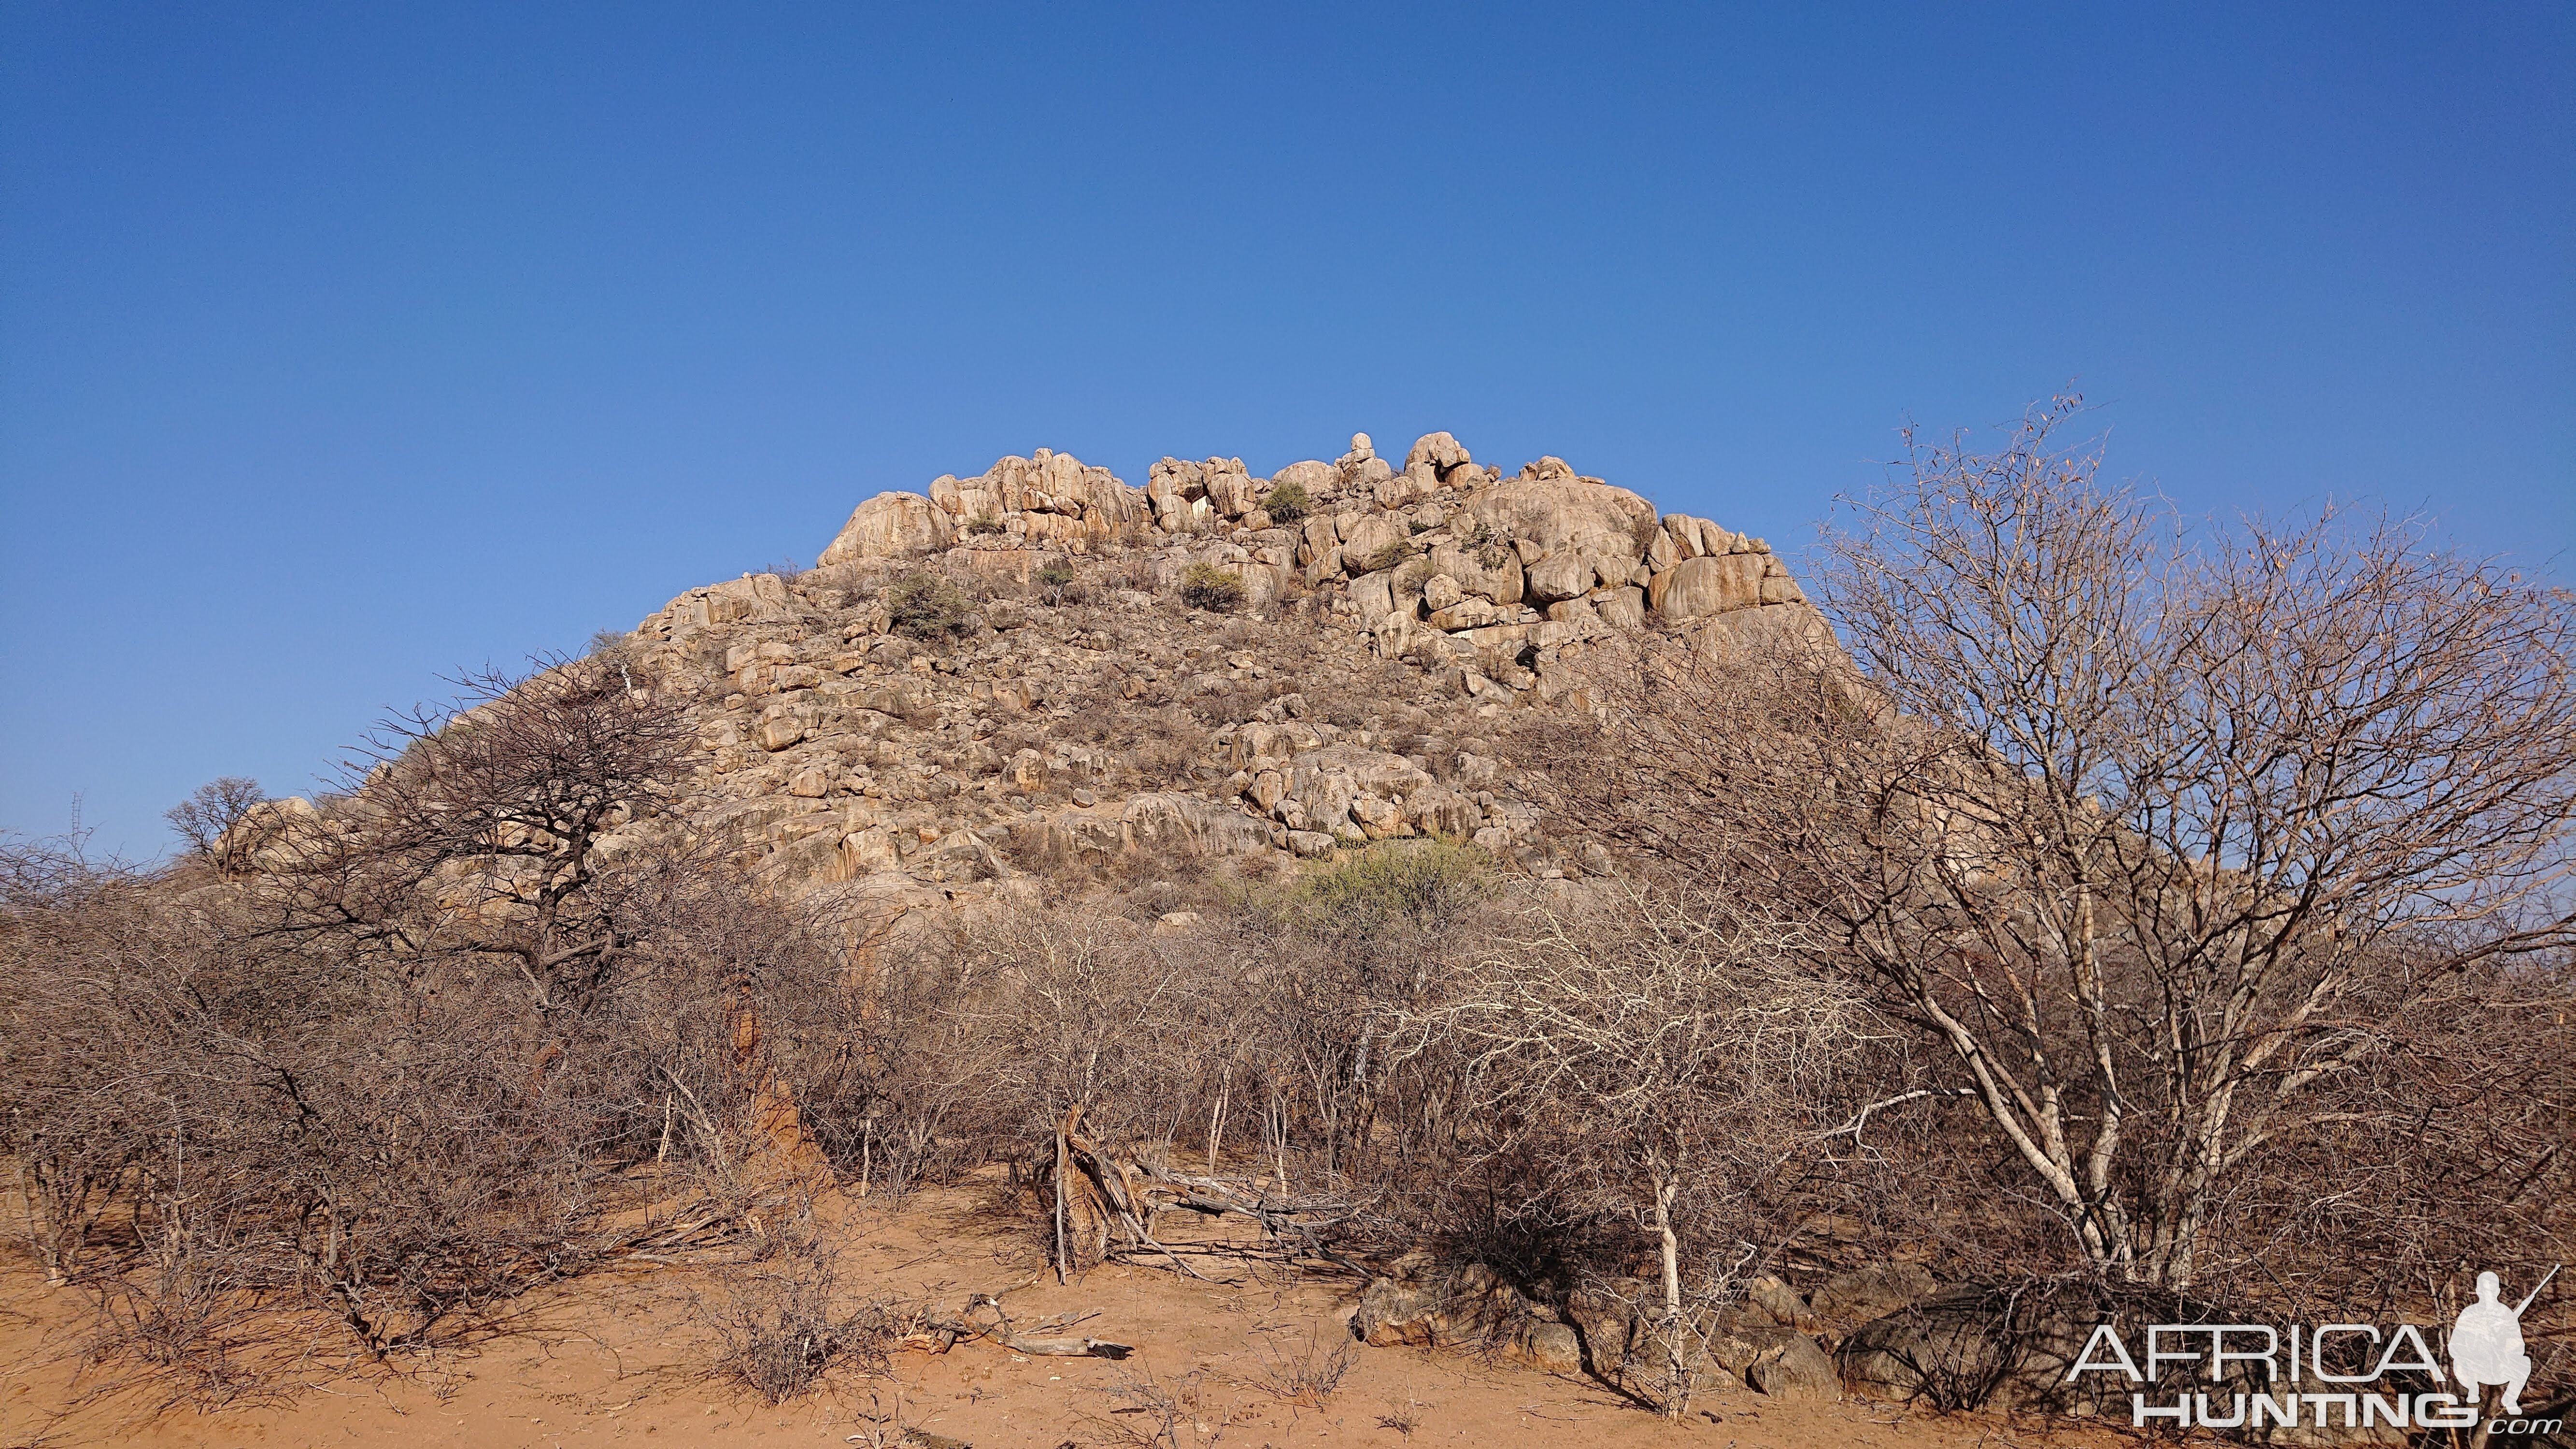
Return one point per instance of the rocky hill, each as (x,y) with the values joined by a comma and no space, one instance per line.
(1041,667)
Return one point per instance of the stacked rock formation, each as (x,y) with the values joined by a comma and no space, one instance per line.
(1386,616)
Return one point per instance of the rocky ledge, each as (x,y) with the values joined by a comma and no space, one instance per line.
(1365,626)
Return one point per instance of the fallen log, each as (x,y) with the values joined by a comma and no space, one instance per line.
(1067,1347)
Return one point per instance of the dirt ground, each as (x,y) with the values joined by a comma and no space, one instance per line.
(624,1357)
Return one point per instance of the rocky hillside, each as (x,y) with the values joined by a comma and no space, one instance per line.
(1041,667)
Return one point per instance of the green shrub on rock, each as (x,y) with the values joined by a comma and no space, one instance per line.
(926,606)
(1287,503)
(1205,586)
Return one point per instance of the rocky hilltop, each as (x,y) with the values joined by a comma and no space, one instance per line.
(1042,666)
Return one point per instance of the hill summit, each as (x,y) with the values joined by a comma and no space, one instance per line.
(1042,666)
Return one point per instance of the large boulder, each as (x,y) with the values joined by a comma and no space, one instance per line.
(1316,479)
(1795,1368)
(1370,542)
(1231,491)
(1565,574)
(1361,467)
(890,525)
(1559,513)
(1698,587)
(1768,631)
(1490,574)
(1439,451)
(1047,497)
(1172,824)
(1848,1300)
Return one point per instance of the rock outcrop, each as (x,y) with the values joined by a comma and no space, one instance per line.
(1386,618)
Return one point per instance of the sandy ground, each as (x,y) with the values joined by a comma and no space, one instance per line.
(622,1357)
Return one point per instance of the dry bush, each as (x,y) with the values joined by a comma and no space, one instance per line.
(2189,859)
(409,1069)
(207,817)
(779,1325)
(1670,1055)
(384,1156)
(1308,1377)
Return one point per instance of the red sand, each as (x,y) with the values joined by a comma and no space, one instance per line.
(620,1357)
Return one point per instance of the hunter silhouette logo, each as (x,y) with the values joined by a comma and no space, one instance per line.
(2486,1342)
(2280,1364)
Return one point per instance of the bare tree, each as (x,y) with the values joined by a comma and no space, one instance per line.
(2163,836)
(207,816)
(1677,1040)
(476,826)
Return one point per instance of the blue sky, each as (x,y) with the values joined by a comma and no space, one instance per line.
(340,346)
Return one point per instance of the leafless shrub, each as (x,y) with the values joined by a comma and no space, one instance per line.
(207,816)
(780,1328)
(1671,1052)
(1309,1376)
(185,1317)
(1154,1414)
(2187,854)
(395,1076)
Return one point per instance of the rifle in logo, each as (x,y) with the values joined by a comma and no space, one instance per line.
(2486,1342)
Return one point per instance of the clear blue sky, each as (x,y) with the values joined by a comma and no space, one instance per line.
(341,345)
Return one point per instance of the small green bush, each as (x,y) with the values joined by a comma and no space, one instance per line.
(1205,586)
(926,606)
(1287,503)
(984,523)
(1422,879)
(1056,575)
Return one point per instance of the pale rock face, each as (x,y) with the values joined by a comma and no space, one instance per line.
(1698,587)
(1233,494)
(1361,467)
(1320,533)
(1467,613)
(1562,513)
(1563,575)
(1374,596)
(1623,608)
(1395,490)
(838,759)
(1267,789)
(1371,535)
(1310,475)
(1163,823)
(1748,632)
(891,525)
(1439,450)
(1580,613)
(1499,581)
(865,852)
